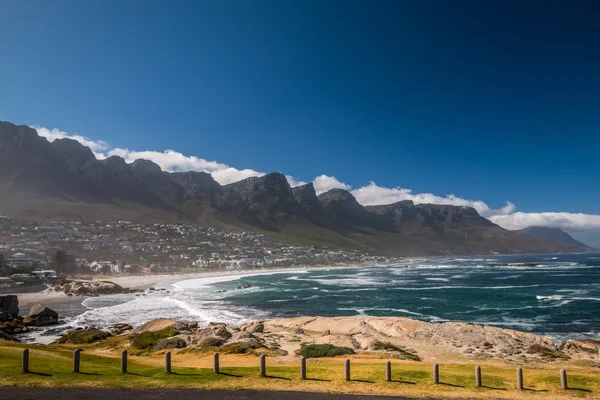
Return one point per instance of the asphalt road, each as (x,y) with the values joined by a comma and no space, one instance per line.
(7,393)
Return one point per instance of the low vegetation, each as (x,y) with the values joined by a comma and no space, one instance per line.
(546,353)
(323,350)
(86,336)
(146,340)
(404,354)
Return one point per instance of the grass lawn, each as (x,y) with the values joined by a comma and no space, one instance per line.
(51,366)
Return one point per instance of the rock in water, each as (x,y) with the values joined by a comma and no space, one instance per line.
(43,315)
(10,304)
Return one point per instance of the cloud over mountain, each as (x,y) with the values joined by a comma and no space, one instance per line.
(563,220)
(370,194)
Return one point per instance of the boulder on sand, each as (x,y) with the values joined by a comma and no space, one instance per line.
(10,304)
(43,315)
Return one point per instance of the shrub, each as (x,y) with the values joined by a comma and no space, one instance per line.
(145,340)
(546,352)
(404,354)
(84,337)
(169,343)
(323,350)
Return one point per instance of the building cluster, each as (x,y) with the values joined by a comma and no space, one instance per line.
(75,248)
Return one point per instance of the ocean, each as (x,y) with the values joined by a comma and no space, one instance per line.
(559,297)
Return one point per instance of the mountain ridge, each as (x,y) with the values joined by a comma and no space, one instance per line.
(553,235)
(63,180)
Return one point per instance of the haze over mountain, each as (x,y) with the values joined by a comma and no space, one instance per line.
(63,180)
(553,235)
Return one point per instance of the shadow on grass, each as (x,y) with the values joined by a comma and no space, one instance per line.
(134,374)
(276,377)
(39,373)
(89,373)
(401,381)
(231,375)
(451,384)
(318,380)
(361,380)
(182,374)
(492,388)
(580,390)
(535,390)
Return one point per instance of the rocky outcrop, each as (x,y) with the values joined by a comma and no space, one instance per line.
(92,288)
(39,315)
(421,340)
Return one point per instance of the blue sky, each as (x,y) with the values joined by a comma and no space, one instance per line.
(491,101)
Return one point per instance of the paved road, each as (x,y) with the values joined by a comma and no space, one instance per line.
(8,393)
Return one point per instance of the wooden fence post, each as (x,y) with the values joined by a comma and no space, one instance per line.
(25,363)
(347,369)
(76,360)
(303,368)
(478,376)
(263,365)
(436,373)
(519,378)
(124,362)
(563,380)
(168,362)
(216,363)
(388,371)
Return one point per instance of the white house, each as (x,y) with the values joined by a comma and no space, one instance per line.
(19,260)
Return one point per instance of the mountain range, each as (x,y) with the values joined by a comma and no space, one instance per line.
(63,180)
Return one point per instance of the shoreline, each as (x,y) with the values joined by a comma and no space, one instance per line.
(68,306)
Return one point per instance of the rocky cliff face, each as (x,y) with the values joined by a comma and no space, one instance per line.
(64,180)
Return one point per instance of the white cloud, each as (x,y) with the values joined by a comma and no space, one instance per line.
(324,183)
(294,182)
(53,134)
(372,194)
(173,161)
(563,220)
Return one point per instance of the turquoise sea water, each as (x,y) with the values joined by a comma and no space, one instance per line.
(559,297)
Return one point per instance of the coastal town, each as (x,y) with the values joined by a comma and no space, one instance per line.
(31,250)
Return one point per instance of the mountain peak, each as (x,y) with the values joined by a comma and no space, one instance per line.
(144,166)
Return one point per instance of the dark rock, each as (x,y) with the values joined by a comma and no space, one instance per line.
(43,315)
(10,304)
(192,325)
(299,331)
(3,316)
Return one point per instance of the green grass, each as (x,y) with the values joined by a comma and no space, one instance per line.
(51,366)
(323,350)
